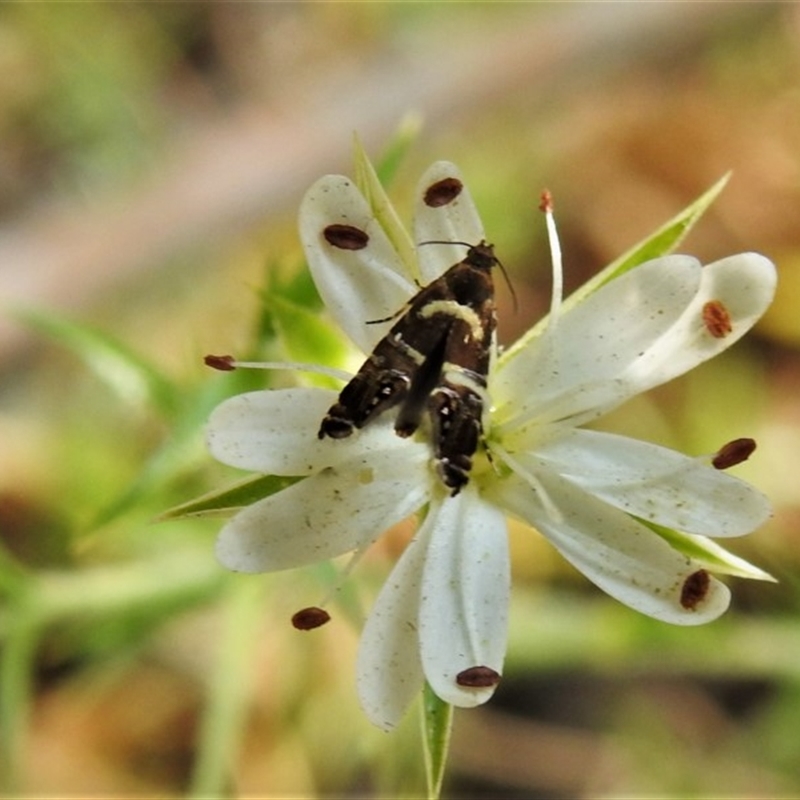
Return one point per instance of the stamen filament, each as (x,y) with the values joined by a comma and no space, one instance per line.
(296,366)
(352,562)
(547,502)
(557,290)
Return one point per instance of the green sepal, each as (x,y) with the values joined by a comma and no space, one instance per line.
(226,501)
(132,378)
(708,553)
(367,181)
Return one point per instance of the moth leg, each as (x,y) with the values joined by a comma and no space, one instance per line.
(396,314)
(455,412)
(400,311)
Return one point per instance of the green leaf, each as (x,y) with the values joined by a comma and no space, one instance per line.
(291,280)
(177,579)
(13,576)
(18,663)
(132,378)
(177,454)
(230,692)
(225,501)
(437,723)
(657,244)
(307,336)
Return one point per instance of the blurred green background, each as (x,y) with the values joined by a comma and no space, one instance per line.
(152,156)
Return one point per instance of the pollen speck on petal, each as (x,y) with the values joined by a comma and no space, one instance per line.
(717,319)
(695,589)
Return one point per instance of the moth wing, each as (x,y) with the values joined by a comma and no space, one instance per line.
(404,367)
(360,284)
(444,211)
(424,380)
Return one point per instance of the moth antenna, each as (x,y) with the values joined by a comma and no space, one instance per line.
(445,241)
(509,284)
(386,319)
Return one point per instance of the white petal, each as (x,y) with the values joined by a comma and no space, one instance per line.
(465,592)
(629,337)
(574,367)
(457,221)
(274,432)
(330,513)
(621,556)
(744,284)
(655,483)
(389,670)
(356,285)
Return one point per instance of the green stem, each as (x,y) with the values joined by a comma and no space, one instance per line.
(16,668)
(229,692)
(437,722)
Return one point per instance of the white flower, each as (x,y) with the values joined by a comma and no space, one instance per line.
(603,500)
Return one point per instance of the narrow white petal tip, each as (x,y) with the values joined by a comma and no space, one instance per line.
(234,554)
(386,712)
(469,687)
(272,432)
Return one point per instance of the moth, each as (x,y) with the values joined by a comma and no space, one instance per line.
(434,360)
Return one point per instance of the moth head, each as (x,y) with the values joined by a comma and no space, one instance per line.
(481,256)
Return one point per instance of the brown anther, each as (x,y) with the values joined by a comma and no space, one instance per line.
(442,192)
(345,237)
(546,201)
(694,590)
(478,677)
(733,453)
(306,619)
(717,319)
(222,363)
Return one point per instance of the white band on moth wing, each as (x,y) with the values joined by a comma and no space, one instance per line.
(454,309)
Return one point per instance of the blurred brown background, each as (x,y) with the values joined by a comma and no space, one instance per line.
(152,156)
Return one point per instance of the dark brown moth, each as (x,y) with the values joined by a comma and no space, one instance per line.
(435,358)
